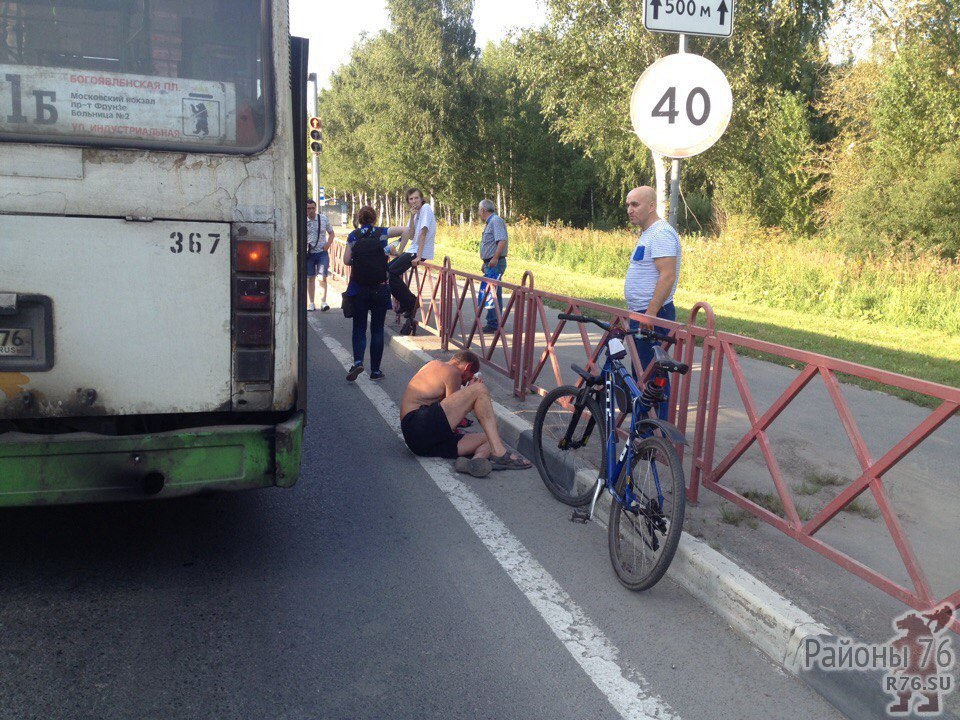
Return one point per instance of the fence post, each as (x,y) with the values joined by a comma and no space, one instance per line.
(712,408)
(703,400)
(444,314)
(519,309)
(529,336)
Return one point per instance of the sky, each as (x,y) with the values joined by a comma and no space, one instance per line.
(333,27)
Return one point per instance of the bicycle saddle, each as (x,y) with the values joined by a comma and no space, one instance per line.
(665,362)
(587,377)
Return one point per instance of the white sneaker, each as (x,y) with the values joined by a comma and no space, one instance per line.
(311,306)
(324,307)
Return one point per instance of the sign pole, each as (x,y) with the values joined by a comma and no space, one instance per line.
(315,163)
(675,167)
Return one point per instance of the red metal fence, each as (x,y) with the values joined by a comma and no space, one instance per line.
(527,352)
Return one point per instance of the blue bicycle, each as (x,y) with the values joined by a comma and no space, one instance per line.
(575,442)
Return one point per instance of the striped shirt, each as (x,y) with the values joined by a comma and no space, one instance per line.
(657,241)
(316,229)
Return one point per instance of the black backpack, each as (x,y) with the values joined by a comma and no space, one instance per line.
(369,262)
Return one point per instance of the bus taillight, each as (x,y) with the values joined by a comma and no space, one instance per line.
(253,329)
(251,293)
(252,322)
(253,366)
(253,256)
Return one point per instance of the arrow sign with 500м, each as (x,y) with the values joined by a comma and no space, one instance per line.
(692,17)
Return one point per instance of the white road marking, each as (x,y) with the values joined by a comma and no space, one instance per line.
(626,690)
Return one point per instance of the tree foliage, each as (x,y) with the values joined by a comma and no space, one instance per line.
(866,149)
(895,166)
(417,106)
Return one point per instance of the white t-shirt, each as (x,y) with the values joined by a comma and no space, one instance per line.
(657,241)
(425,219)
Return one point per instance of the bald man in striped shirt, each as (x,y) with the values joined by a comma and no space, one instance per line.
(654,267)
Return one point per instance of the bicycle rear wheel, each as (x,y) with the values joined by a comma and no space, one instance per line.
(643,536)
(569,465)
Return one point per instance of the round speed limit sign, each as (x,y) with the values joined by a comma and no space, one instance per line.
(681,105)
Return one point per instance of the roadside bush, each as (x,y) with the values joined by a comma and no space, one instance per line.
(774,178)
(895,170)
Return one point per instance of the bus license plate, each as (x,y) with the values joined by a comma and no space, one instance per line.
(16,341)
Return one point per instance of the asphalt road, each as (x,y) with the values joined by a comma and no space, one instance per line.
(378,587)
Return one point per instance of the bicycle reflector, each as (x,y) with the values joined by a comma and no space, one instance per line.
(253,256)
(616,348)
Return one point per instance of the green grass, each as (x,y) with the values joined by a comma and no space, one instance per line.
(734,515)
(924,353)
(806,488)
(772,502)
(858,508)
(759,266)
(815,482)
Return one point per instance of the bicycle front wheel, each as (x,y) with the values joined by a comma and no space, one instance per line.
(569,445)
(646,517)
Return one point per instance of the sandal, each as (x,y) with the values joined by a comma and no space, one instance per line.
(509,461)
(478,467)
(465,423)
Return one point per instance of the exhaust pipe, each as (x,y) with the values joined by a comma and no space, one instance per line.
(153,483)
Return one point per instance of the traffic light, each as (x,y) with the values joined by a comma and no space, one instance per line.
(316,135)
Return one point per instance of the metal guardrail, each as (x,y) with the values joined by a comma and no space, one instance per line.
(449,309)
(706,474)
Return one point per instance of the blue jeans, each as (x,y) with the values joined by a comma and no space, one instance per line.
(645,351)
(374,300)
(494,273)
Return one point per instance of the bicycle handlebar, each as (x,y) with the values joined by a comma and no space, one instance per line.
(647,334)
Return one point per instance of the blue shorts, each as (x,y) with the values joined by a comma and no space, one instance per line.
(318,261)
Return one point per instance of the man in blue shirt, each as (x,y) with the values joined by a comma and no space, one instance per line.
(493,253)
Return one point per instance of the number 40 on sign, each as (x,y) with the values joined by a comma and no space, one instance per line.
(681,105)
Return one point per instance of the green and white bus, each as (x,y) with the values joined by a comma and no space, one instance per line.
(152,175)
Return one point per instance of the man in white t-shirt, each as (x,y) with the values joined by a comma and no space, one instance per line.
(423,224)
(654,267)
(424,227)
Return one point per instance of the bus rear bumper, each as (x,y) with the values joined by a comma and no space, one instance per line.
(85,467)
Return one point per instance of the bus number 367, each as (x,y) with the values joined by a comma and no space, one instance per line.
(193,243)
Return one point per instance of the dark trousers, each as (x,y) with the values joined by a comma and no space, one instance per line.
(398,288)
(645,351)
(375,301)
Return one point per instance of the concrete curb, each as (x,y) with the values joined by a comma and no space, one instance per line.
(772,623)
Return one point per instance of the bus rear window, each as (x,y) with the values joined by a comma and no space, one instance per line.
(183,74)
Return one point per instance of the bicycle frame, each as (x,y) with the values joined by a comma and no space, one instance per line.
(612,370)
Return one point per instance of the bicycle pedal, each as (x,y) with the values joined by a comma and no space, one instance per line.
(580,516)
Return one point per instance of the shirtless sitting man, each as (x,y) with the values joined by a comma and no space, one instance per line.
(437,399)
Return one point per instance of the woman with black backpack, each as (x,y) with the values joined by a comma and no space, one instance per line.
(368,291)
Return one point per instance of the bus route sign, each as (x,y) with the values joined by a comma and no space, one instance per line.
(713,18)
(88,103)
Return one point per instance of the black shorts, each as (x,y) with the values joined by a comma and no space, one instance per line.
(427,432)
